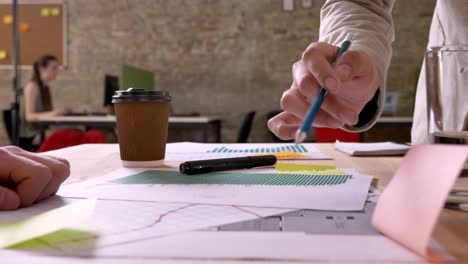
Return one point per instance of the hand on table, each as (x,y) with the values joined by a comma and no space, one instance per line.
(350,85)
(27,178)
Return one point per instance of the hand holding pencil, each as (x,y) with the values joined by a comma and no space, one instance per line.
(350,85)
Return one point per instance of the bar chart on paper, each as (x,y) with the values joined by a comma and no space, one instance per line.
(346,192)
(262,150)
(197,151)
(276,179)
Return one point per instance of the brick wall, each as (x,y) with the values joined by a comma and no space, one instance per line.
(217,57)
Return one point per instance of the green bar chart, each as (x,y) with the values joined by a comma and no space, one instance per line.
(292,148)
(275,179)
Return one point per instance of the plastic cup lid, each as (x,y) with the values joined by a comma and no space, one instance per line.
(140,95)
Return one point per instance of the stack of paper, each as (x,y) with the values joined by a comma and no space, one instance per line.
(372,149)
(114,222)
(137,210)
(346,192)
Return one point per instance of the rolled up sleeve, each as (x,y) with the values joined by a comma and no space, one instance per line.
(370,24)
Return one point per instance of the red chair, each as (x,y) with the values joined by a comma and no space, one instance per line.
(330,135)
(71,137)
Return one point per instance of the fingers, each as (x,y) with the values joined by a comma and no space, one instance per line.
(357,80)
(284,125)
(34,177)
(353,64)
(293,102)
(9,200)
(350,85)
(358,75)
(29,177)
(317,59)
(60,169)
(305,81)
(340,112)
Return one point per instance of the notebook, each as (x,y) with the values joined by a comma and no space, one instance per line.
(372,149)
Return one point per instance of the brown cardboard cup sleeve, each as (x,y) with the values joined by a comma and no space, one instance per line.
(142,123)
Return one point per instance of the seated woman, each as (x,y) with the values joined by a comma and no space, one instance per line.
(37,103)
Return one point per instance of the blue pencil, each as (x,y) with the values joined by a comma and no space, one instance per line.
(315,107)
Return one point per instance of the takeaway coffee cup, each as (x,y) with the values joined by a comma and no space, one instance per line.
(142,121)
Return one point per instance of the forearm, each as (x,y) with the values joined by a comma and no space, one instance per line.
(35,116)
(370,24)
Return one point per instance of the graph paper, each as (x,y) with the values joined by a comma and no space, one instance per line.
(119,222)
(122,230)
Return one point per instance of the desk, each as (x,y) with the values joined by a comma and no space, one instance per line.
(395,120)
(196,122)
(451,230)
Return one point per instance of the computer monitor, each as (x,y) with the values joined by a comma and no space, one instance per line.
(133,77)
(111,85)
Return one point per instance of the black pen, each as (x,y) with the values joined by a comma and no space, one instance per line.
(206,166)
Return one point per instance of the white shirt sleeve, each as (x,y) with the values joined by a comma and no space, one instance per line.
(371,25)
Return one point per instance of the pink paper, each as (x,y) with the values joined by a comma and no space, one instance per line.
(410,205)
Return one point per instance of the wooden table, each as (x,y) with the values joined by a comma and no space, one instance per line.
(89,161)
(197,122)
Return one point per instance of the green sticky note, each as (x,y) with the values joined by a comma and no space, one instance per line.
(301,167)
(62,237)
(13,233)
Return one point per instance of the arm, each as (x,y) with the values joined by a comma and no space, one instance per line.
(356,84)
(371,25)
(31,92)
